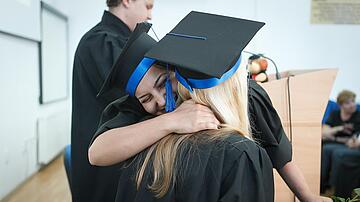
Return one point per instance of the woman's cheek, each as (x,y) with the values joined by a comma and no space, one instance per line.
(149,108)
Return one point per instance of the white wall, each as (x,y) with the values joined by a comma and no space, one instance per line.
(82,16)
(288,38)
(294,43)
(27,15)
(18,106)
(20,110)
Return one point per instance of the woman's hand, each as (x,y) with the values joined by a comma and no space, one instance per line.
(190,117)
(295,179)
(328,133)
(338,129)
(119,144)
(353,143)
(342,140)
(348,128)
(310,197)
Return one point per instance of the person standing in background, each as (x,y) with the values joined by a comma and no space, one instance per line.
(94,57)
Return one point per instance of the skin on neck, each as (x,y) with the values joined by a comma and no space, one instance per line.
(121,12)
(345,115)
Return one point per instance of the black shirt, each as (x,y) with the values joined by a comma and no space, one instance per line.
(335,120)
(232,168)
(94,57)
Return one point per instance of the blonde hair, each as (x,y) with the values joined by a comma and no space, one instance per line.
(228,101)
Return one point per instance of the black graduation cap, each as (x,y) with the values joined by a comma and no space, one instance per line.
(129,61)
(205,45)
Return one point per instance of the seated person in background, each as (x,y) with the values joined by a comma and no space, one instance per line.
(339,134)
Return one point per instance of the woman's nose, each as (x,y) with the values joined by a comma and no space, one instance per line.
(160,100)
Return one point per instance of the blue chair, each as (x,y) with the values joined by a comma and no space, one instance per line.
(67,164)
(330,107)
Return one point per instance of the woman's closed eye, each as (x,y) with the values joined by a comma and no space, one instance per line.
(161,81)
(162,84)
(145,99)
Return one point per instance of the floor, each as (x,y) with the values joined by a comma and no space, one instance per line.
(49,184)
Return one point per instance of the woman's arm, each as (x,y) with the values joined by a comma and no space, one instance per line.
(294,178)
(119,144)
(328,133)
(342,140)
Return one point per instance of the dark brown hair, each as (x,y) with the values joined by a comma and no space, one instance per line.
(113,3)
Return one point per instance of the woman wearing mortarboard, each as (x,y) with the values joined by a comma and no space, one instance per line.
(224,164)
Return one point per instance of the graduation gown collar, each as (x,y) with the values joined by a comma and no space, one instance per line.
(115,22)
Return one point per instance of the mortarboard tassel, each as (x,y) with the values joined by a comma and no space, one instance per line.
(170,101)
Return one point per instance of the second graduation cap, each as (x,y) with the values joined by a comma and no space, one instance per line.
(205,46)
(131,65)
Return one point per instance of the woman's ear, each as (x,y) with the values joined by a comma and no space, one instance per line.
(126,3)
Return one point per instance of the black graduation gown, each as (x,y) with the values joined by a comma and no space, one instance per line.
(94,57)
(230,169)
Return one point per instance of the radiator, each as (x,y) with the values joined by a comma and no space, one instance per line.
(53,135)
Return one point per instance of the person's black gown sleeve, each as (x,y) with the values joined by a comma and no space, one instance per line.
(266,126)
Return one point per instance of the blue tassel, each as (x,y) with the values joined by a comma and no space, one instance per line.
(170,101)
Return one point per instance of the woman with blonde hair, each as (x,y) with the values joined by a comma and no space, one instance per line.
(223,164)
